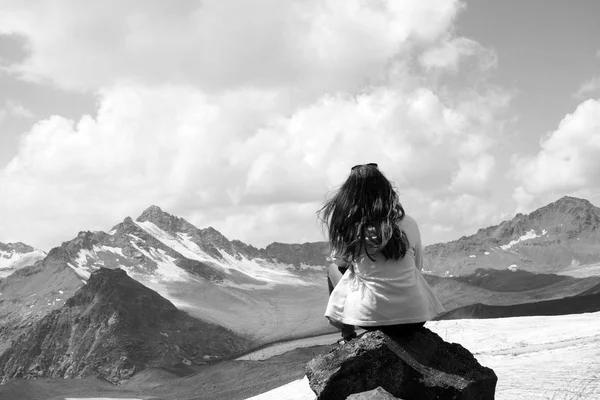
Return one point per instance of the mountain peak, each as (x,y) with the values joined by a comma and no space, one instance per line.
(569,200)
(151,213)
(114,286)
(164,220)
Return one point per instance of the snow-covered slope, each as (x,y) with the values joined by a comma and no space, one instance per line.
(537,358)
(163,248)
(14,256)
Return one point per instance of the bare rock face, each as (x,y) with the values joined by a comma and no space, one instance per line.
(112,328)
(413,366)
(375,394)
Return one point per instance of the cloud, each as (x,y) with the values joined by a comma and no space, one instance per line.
(221,44)
(451,51)
(246,125)
(187,151)
(17,110)
(568,161)
(588,87)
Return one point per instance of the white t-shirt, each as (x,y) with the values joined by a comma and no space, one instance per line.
(386,292)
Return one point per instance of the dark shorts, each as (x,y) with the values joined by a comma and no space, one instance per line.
(396,329)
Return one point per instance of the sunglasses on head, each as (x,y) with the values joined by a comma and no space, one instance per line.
(374,165)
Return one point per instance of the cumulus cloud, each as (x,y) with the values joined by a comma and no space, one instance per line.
(244,119)
(185,150)
(588,87)
(568,161)
(220,44)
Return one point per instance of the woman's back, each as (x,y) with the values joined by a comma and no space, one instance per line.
(385,292)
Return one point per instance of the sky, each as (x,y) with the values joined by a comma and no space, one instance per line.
(246,116)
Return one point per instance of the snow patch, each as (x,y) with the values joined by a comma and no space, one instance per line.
(132,236)
(166,267)
(472,256)
(527,236)
(311,267)
(81,271)
(12,260)
(82,257)
(273,273)
(487,253)
(181,244)
(115,250)
(513,267)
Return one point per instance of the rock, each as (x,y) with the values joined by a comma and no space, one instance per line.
(412,366)
(375,394)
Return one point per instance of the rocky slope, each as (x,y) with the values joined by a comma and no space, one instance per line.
(112,328)
(555,237)
(31,292)
(14,256)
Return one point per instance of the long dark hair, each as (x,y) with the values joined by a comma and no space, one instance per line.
(363,216)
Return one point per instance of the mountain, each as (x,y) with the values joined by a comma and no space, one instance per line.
(280,291)
(560,236)
(270,294)
(112,328)
(14,256)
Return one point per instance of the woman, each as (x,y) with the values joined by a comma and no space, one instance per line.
(375,281)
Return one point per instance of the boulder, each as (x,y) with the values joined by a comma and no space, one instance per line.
(375,394)
(414,366)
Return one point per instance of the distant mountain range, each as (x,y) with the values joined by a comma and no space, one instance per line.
(554,238)
(14,256)
(255,292)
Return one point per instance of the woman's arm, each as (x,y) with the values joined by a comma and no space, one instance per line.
(414,236)
(419,255)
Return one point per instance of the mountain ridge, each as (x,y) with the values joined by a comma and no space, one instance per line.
(14,256)
(548,239)
(113,327)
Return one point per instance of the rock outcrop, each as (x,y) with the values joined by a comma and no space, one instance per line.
(413,366)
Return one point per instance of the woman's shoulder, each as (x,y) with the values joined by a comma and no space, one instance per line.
(408,220)
(409,225)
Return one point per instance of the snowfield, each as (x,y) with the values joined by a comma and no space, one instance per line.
(12,261)
(262,270)
(550,358)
